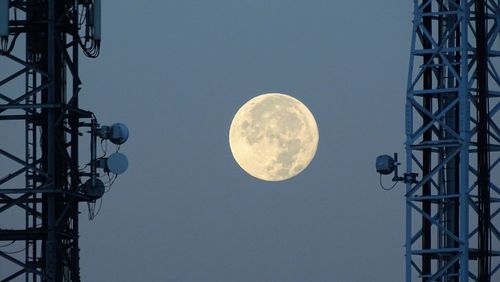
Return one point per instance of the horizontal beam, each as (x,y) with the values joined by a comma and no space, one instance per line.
(22,235)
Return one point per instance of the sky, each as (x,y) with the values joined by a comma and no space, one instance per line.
(176,72)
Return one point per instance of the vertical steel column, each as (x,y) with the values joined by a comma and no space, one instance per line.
(50,247)
(452,184)
(483,163)
(73,121)
(426,153)
(465,137)
(409,264)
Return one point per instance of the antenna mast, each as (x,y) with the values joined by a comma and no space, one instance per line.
(46,185)
(453,142)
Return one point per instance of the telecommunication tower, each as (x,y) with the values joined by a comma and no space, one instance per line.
(44,183)
(452,142)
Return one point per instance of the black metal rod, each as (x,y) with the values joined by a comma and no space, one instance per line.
(426,153)
(483,174)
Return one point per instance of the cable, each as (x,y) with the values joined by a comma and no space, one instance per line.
(5,48)
(84,167)
(91,207)
(385,188)
(111,183)
(104,148)
(92,211)
(99,209)
(111,180)
(6,245)
(16,252)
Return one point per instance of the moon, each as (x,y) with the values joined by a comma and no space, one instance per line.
(273,137)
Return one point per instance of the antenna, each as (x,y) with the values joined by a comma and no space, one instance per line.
(116,163)
(117,133)
(386,165)
(49,179)
(453,142)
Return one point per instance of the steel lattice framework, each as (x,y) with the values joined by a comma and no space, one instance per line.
(453,142)
(44,182)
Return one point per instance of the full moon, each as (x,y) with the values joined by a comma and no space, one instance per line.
(273,137)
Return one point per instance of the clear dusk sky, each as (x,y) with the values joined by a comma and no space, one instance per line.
(177,71)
